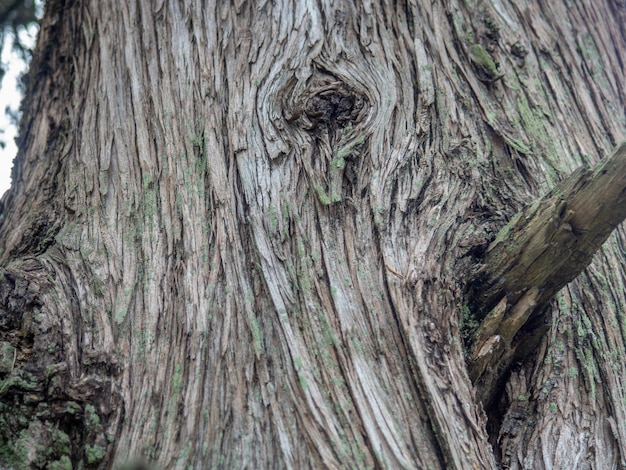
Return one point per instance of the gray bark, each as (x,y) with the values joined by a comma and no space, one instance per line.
(241,235)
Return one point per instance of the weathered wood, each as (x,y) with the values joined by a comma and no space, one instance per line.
(544,247)
(550,242)
(239,234)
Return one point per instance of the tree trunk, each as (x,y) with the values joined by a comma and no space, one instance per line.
(243,235)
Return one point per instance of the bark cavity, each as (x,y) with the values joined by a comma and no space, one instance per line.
(325,100)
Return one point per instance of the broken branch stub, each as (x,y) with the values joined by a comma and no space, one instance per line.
(539,251)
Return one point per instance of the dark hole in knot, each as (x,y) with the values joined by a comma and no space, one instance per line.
(334,104)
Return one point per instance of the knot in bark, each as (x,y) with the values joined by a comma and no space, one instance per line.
(334,104)
(325,100)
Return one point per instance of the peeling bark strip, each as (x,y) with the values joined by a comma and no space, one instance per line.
(544,247)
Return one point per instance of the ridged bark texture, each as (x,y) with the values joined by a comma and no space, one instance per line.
(240,233)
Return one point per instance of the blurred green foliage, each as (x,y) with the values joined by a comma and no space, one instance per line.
(16,15)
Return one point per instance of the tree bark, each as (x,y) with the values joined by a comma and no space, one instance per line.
(543,248)
(241,234)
